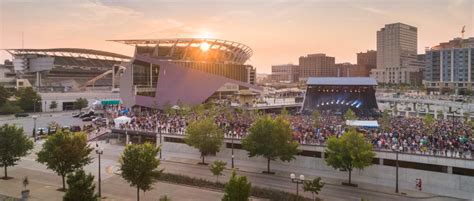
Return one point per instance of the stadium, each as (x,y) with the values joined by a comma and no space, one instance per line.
(185,70)
(335,95)
(66,69)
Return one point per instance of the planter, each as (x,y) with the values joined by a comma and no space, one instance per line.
(25,194)
(348,184)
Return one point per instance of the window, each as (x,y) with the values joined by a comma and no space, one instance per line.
(145,78)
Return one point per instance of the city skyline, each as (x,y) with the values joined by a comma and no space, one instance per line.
(279,32)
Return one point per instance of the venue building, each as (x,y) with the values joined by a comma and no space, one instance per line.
(64,69)
(185,70)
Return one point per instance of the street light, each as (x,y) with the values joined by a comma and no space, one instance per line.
(297,181)
(99,150)
(232,146)
(397,149)
(34,127)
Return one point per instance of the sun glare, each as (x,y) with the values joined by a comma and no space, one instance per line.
(205,46)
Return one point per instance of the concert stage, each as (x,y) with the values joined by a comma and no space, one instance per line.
(335,95)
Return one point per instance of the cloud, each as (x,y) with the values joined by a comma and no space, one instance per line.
(372,10)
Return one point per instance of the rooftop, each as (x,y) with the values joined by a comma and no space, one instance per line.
(342,81)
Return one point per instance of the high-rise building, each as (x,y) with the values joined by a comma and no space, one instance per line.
(350,70)
(396,54)
(450,66)
(285,73)
(317,65)
(367,61)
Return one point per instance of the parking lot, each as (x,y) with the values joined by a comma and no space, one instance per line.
(42,121)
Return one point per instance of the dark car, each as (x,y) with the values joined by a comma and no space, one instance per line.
(77,115)
(89,118)
(75,129)
(21,115)
(87,115)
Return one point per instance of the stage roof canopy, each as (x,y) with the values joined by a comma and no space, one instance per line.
(342,81)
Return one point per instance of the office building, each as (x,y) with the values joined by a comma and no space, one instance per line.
(367,61)
(450,66)
(397,57)
(317,65)
(285,73)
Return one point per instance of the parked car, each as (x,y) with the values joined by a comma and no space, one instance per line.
(41,131)
(77,115)
(91,113)
(89,118)
(51,130)
(75,129)
(21,115)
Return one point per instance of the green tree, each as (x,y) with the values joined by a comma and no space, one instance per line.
(350,115)
(316,118)
(13,145)
(53,105)
(204,135)
(348,152)
(9,108)
(28,99)
(80,103)
(271,139)
(4,95)
(237,189)
(313,186)
(385,121)
(81,187)
(139,166)
(216,168)
(165,198)
(64,152)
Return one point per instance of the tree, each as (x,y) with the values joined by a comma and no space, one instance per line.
(4,95)
(440,114)
(28,99)
(428,121)
(348,152)
(81,187)
(13,145)
(313,186)
(350,115)
(165,198)
(316,119)
(53,105)
(237,189)
(10,108)
(216,168)
(271,139)
(203,134)
(80,103)
(139,164)
(385,121)
(64,152)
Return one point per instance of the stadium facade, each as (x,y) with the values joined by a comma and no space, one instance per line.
(185,70)
(66,69)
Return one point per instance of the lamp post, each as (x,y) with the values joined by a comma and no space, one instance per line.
(397,149)
(232,146)
(297,181)
(99,150)
(34,127)
(161,146)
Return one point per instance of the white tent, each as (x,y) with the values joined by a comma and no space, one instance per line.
(358,123)
(176,107)
(121,120)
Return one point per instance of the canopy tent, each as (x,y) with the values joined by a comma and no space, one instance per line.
(110,102)
(360,123)
(96,105)
(121,120)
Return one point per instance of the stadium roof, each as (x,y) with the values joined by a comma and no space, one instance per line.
(180,48)
(342,81)
(70,52)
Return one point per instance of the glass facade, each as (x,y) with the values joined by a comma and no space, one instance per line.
(145,78)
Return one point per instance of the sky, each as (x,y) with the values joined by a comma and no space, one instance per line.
(278,31)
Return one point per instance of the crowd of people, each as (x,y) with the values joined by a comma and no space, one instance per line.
(444,137)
